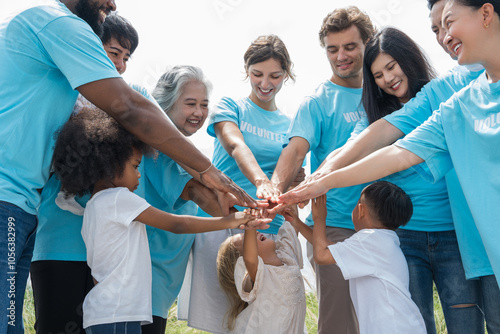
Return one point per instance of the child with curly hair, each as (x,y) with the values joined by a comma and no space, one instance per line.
(262,280)
(94,154)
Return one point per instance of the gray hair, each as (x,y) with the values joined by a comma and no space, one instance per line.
(171,84)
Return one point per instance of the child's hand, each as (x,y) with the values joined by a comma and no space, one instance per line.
(249,219)
(291,213)
(318,208)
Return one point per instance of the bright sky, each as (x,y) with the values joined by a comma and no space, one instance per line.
(214,35)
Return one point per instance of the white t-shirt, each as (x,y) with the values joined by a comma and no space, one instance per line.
(378,281)
(277,301)
(118,255)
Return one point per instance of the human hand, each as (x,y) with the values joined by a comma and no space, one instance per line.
(267,190)
(251,219)
(291,213)
(226,201)
(303,192)
(217,180)
(318,209)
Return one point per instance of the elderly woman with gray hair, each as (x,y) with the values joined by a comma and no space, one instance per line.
(182,92)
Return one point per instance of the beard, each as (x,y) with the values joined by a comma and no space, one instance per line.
(89,12)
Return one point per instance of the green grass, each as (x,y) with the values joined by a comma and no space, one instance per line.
(175,326)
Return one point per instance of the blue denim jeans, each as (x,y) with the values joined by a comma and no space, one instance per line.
(491,303)
(132,327)
(434,257)
(17,238)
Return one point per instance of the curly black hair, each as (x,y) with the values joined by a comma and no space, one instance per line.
(91,147)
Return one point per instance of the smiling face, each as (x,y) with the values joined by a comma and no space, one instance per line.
(266,247)
(437,27)
(464,32)
(345,50)
(266,79)
(190,110)
(130,177)
(390,77)
(118,54)
(94,12)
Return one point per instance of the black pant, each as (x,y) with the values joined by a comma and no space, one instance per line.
(158,326)
(59,288)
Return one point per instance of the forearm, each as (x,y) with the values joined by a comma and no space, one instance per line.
(204,197)
(289,163)
(250,253)
(303,229)
(378,135)
(385,161)
(181,224)
(248,165)
(193,224)
(144,119)
(322,254)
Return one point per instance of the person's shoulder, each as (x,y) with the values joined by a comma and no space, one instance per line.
(39,16)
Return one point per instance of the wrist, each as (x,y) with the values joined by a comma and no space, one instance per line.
(260,181)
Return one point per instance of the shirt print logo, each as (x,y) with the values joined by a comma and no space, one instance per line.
(481,125)
(263,133)
(353,116)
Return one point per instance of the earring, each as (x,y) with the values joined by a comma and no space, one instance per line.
(486,25)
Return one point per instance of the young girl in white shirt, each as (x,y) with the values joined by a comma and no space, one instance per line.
(262,280)
(94,154)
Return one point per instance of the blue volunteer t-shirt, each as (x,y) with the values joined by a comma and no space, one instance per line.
(46,52)
(161,184)
(414,113)
(464,133)
(326,119)
(58,235)
(431,206)
(264,133)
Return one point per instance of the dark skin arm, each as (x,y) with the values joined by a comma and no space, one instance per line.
(150,124)
(207,200)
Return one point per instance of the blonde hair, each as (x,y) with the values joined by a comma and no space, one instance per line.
(226,262)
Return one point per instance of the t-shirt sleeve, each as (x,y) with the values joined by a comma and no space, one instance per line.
(361,125)
(353,257)
(242,280)
(127,206)
(76,51)
(413,113)
(226,110)
(167,178)
(429,143)
(307,123)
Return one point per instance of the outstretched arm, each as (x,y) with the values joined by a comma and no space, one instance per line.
(233,142)
(250,253)
(150,124)
(181,224)
(291,215)
(289,163)
(322,254)
(216,204)
(384,162)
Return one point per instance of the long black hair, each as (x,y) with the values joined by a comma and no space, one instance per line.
(410,58)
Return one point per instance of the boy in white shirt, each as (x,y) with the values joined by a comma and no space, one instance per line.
(372,261)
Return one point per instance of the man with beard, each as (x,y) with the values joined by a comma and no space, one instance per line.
(49,54)
(322,124)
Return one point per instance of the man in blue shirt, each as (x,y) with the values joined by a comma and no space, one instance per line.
(323,123)
(49,53)
(387,130)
